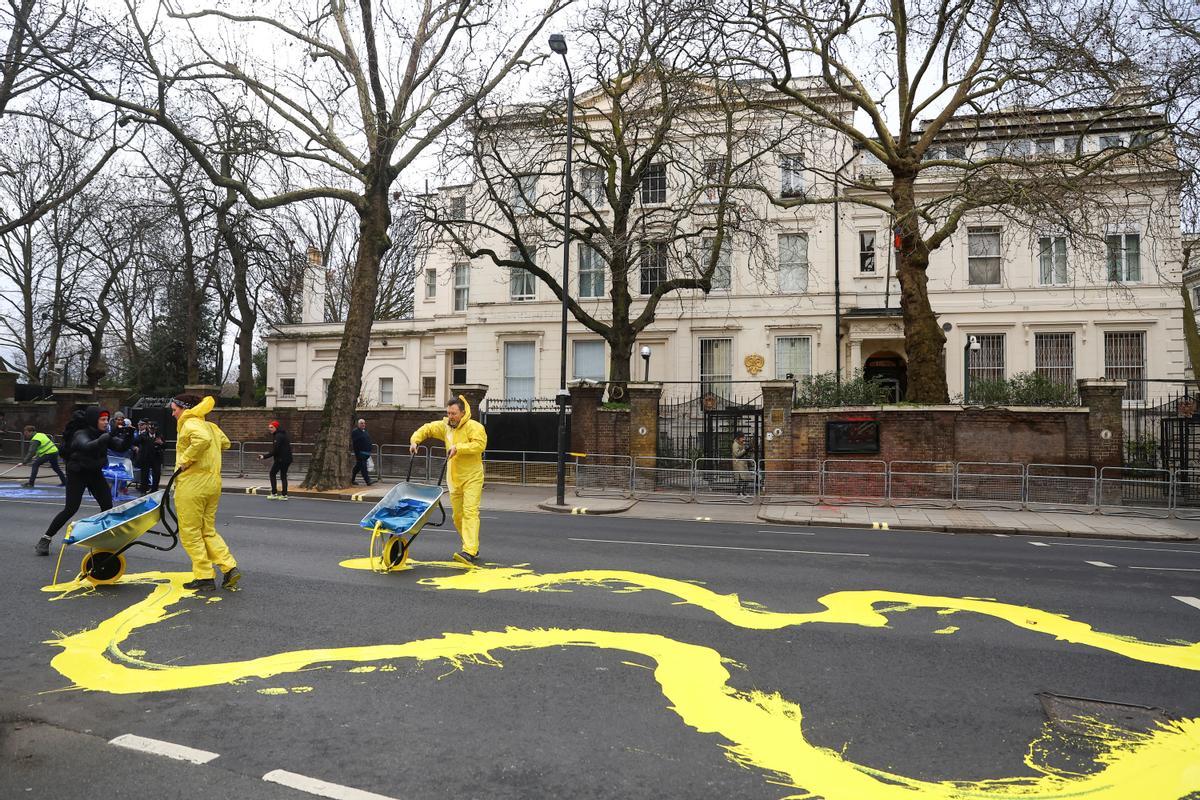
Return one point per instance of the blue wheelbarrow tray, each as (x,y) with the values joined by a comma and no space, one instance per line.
(404,509)
(118,527)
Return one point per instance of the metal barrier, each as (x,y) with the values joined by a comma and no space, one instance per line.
(1135,490)
(12,446)
(790,481)
(663,479)
(1186,494)
(1060,487)
(717,480)
(599,474)
(526,467)
(989,484)
(927,484)
(846,480)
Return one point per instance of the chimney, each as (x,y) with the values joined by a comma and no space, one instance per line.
(313,302)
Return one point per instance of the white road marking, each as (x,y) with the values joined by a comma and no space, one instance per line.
(1001,535)
(289,519)
(722,547)
(1039,544)
(320,788)
(1195,552)
(160,748)
(790,533)
(1191,601)
(1169,569)
(1100,564)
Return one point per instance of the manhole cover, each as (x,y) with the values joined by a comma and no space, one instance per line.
(1083,716)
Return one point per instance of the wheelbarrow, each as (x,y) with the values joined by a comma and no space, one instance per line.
(396,520)
(107,535)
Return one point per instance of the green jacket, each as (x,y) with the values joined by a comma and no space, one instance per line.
(45,445)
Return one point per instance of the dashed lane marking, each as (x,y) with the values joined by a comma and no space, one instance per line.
(160,748)
(790,533)
(1039,544)
(1169,569)
(721,547)
(1191,601)
(1100,564)
(289,519)
(1000,535)
(319,787)
(1195,552)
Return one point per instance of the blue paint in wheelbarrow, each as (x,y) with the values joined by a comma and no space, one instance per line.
(399,516)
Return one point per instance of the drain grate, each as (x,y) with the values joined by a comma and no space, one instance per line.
(1084,716)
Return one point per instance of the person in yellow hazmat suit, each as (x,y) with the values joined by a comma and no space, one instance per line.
(465,441)
(198,449)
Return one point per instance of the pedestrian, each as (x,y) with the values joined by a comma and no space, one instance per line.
(281,455)
(156,456)
(42,450)
(360,443)
(465,441)
(85,443)
(198,491)
(743,467)
(142,453)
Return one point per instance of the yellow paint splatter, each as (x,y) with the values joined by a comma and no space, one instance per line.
(947,629)
(273,691)
(362,669)
(759,729)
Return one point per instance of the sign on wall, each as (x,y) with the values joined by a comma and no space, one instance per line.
(852,436)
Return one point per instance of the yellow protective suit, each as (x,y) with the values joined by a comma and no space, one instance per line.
(198,489)
(465,471)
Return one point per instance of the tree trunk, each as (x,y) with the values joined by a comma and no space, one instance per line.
(924,340)
(620,353)
(330,466)
(247,318)
(1191,335)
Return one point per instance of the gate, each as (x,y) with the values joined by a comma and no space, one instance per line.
(703,425)
(530,425)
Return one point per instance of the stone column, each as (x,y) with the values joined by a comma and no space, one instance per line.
(585,410)
(8,387)
(112,398)
(643,420)
(68,400)
(777,431)
(1106,435)
(474,393)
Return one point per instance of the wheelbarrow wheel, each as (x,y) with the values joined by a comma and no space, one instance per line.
(395,553)
(101,567)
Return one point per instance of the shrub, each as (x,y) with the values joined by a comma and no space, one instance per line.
(821,391)
(1022,389)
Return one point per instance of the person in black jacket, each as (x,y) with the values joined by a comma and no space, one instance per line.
(360,443)
(86,442)
(281,455)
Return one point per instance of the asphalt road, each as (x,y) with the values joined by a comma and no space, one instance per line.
(930,696)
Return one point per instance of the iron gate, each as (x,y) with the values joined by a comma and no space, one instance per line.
(703,426)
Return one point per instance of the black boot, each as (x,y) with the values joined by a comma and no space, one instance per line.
(202,585)
(43,546)
(230,581)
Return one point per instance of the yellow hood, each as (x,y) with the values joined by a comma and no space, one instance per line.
(466,417)
(199,411)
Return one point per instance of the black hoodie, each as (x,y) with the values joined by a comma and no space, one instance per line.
(281,448)
(86,446)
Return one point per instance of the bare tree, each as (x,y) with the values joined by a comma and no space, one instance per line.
(926,90)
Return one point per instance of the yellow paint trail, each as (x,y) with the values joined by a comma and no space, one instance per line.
(758,729)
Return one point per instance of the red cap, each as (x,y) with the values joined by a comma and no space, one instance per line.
(273,423)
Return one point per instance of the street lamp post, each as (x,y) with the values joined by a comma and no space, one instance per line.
(646,358)
(972,346)
(559,45)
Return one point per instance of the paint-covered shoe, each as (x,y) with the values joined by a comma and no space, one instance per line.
(230,581)
(463,557)
(272,497)
(281,497)
(202,585)
(43,546)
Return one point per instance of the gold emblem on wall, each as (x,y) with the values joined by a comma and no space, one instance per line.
(754,363)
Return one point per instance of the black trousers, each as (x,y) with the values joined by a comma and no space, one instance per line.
(93,481)
(360,465)
(279,468)
(148,477)
(52,460)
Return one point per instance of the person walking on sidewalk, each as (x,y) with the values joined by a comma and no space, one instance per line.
(465,441)
(281,456)
(198,492)
(85,449)
(42,450)
(361,444)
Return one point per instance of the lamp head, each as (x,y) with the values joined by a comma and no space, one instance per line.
(645,351)
(558,44)
(973,343)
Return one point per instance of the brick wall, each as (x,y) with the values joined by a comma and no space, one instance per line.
(43,415)
(386,426)
(612,431)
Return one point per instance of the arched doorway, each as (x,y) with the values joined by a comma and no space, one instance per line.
(890,369)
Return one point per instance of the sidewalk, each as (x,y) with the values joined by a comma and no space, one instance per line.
(505,497)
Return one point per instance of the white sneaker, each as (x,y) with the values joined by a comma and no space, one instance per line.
(272,497)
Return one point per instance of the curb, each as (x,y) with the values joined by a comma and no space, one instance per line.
(549,505)
(307,494)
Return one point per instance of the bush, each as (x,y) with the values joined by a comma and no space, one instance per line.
(821,391)
(1022,389)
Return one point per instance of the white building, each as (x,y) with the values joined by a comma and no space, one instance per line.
(1036,297)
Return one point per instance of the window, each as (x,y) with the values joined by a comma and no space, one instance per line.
(1195,298)
(325,389)
(722,276)
(993,149)
(458,367)
(594,186)
(428,387)
(1125,360)
(287,387)
(956,151)
(793,357)
(716,366)
(793,262)
(1107,142)
(987,363)
(385,391)
(430,284)
(1020,148)
(1071,146)
(791,176)
(983,256)
(462,286)
(518,370)
(1052,260)
(589,360)
(522,285)
(1045,147)
(653,266)
(591,272)
(524,194)
(457,207)
(1054,357)
(1124,257)
(714,176)
(866,251)
(1139,139)
(654,184)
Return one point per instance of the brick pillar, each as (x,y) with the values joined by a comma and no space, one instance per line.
(212,390)
(68,400)
(585,412)
(643,419)
(8,387)
(777,430)
(474,392)
(112,398)
(1106,436)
